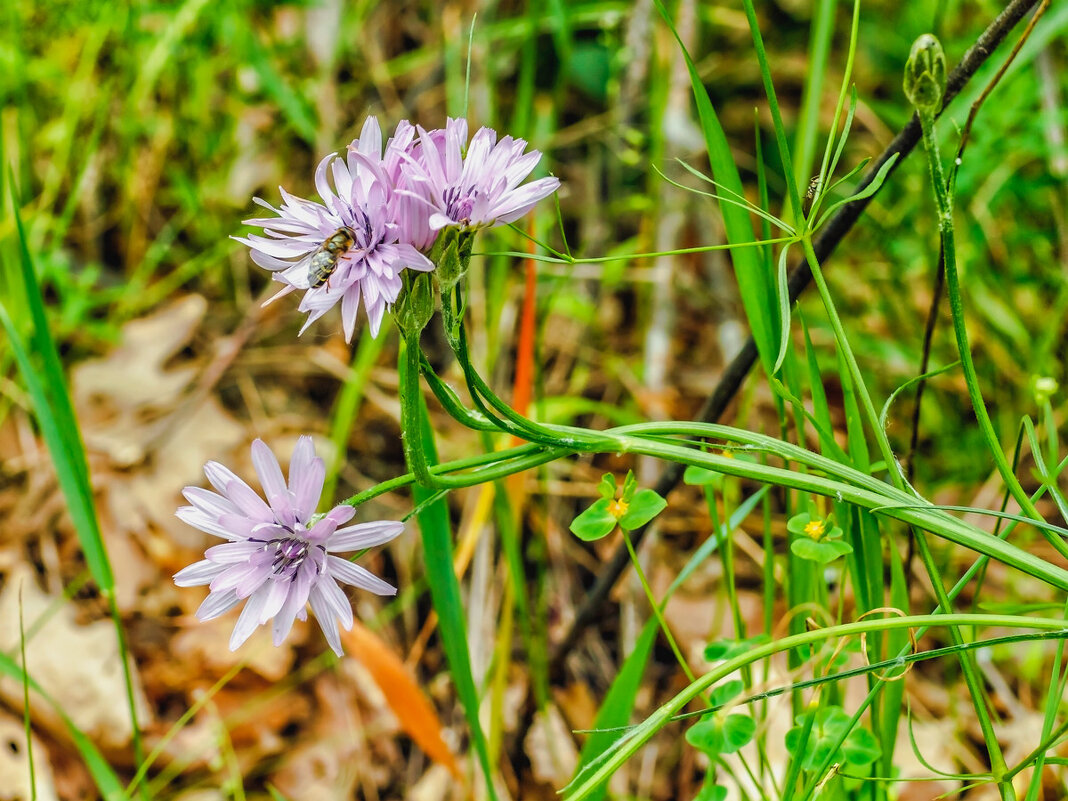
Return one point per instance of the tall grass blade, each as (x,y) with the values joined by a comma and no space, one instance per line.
(755,284)
(436,532)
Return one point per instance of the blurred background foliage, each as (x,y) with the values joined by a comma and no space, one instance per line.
(137,134)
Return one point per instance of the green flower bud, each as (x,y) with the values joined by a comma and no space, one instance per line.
(1044,387)
(415,304)
(925,74)
(453,251)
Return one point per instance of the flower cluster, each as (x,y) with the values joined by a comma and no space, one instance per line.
(279,555)
(381,211)
(382,208)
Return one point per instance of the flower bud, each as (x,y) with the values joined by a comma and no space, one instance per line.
(925,74)
(453,258)
(415,304)
(1044,387)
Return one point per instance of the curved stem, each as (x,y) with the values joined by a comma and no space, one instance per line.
(627,745)
(944,200)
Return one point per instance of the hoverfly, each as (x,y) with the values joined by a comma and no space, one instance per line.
(324,260)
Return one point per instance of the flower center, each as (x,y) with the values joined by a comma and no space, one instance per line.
(814,529)
(458,204)
(288,555)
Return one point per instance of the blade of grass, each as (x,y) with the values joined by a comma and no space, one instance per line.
(103,776)
(59,426)
(436,533)
(808,123)
(754,282)
(26,703)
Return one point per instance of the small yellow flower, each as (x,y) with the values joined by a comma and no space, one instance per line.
(617,508)
(815,529)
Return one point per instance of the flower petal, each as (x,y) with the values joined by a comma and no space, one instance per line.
(346,571)
(198,573)
(363,535)
(217,603)
(249,618)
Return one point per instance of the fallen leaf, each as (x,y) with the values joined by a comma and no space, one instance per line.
(15,765)
(78,665)
(551,748)
(404,696)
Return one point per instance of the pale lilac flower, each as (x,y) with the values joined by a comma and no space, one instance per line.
(279,556)
(480,188)
(362,199)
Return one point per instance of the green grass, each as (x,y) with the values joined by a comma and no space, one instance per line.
(133,137)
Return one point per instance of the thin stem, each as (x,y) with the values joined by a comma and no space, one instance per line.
(656,608)
(944,201)
(627,745)
(968,668)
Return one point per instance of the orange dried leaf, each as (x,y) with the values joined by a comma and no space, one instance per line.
(408,702)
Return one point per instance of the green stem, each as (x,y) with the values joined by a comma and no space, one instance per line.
(956,305)
(968,668)
(411,428)
(656,608)
(627,745)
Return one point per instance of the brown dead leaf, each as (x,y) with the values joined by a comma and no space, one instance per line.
(551,748)
(130,404)
(90,689)
(15,768)
(404,696)
(207,644)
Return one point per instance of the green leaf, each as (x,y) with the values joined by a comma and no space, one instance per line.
(861,747)
(596,522)
(716,733)
(822,552)
(830,724)
(726,692)
(711,792)
(607,487)
(728,649)
(630,484)
(436,532)
(645,505)
(699,477)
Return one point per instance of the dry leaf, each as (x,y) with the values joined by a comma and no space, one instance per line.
(551,748)
(404,696)
(78,665)
(15,765)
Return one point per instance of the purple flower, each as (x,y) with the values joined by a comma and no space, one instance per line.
(363,208)
(479,189)
(279,555)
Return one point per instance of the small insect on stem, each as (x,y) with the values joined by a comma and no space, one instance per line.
(324,260)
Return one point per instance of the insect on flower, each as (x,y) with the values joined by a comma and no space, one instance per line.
(324,261)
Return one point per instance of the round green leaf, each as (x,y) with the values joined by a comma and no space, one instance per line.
(737,731)
(823,552)
(595,522)
(645,505)
(699,476)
